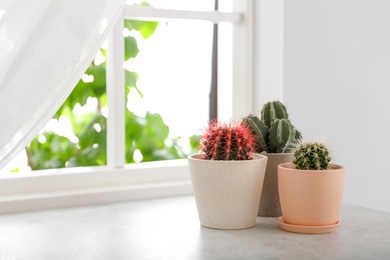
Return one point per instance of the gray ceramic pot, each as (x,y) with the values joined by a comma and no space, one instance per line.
(269,203)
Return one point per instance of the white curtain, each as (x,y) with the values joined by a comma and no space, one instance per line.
(45,47)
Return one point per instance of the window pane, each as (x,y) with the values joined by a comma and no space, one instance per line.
(76,135)
(174,70)
(170,68)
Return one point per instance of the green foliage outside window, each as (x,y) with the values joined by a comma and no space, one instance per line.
(149,135)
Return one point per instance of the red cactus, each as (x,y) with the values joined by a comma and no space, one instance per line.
(227,141)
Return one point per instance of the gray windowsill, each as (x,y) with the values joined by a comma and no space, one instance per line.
(168,228)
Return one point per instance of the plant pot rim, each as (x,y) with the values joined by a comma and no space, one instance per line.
(291,167)
(276,154)
(256,157)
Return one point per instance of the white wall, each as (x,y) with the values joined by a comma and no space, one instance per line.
(268,53)
(337,85)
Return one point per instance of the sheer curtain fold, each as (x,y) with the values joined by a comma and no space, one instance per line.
(45,47)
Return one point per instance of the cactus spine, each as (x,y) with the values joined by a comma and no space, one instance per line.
(274,132)
(227,141)
(311,156)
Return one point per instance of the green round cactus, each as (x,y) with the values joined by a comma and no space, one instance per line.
(311,156)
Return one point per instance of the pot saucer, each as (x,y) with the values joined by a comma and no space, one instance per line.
(306,229)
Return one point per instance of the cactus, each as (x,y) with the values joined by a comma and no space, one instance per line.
(273,110)
(260,130)
(274,132)
(282,136)
(227,141)
(311,156)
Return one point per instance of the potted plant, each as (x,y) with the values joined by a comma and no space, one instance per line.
(311,190)
(227,176)
(276,137)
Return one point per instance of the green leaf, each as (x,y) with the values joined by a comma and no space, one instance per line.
(134,129)
(91,136)
(79,95)
(53,153)
(104,52)
(146,28)
(131,47)
(98,85)
(131,79)
(194,143)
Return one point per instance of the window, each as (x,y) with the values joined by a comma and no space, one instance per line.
(117,180)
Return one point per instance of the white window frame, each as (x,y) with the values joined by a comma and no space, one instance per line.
(119,182)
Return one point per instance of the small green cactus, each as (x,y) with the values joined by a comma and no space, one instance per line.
(274,132)
(311,156)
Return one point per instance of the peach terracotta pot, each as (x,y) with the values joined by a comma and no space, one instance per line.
(227,193)
(310,198)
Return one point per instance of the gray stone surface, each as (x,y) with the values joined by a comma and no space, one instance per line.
(168,228)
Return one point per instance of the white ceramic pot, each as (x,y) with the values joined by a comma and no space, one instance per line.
(227,193)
